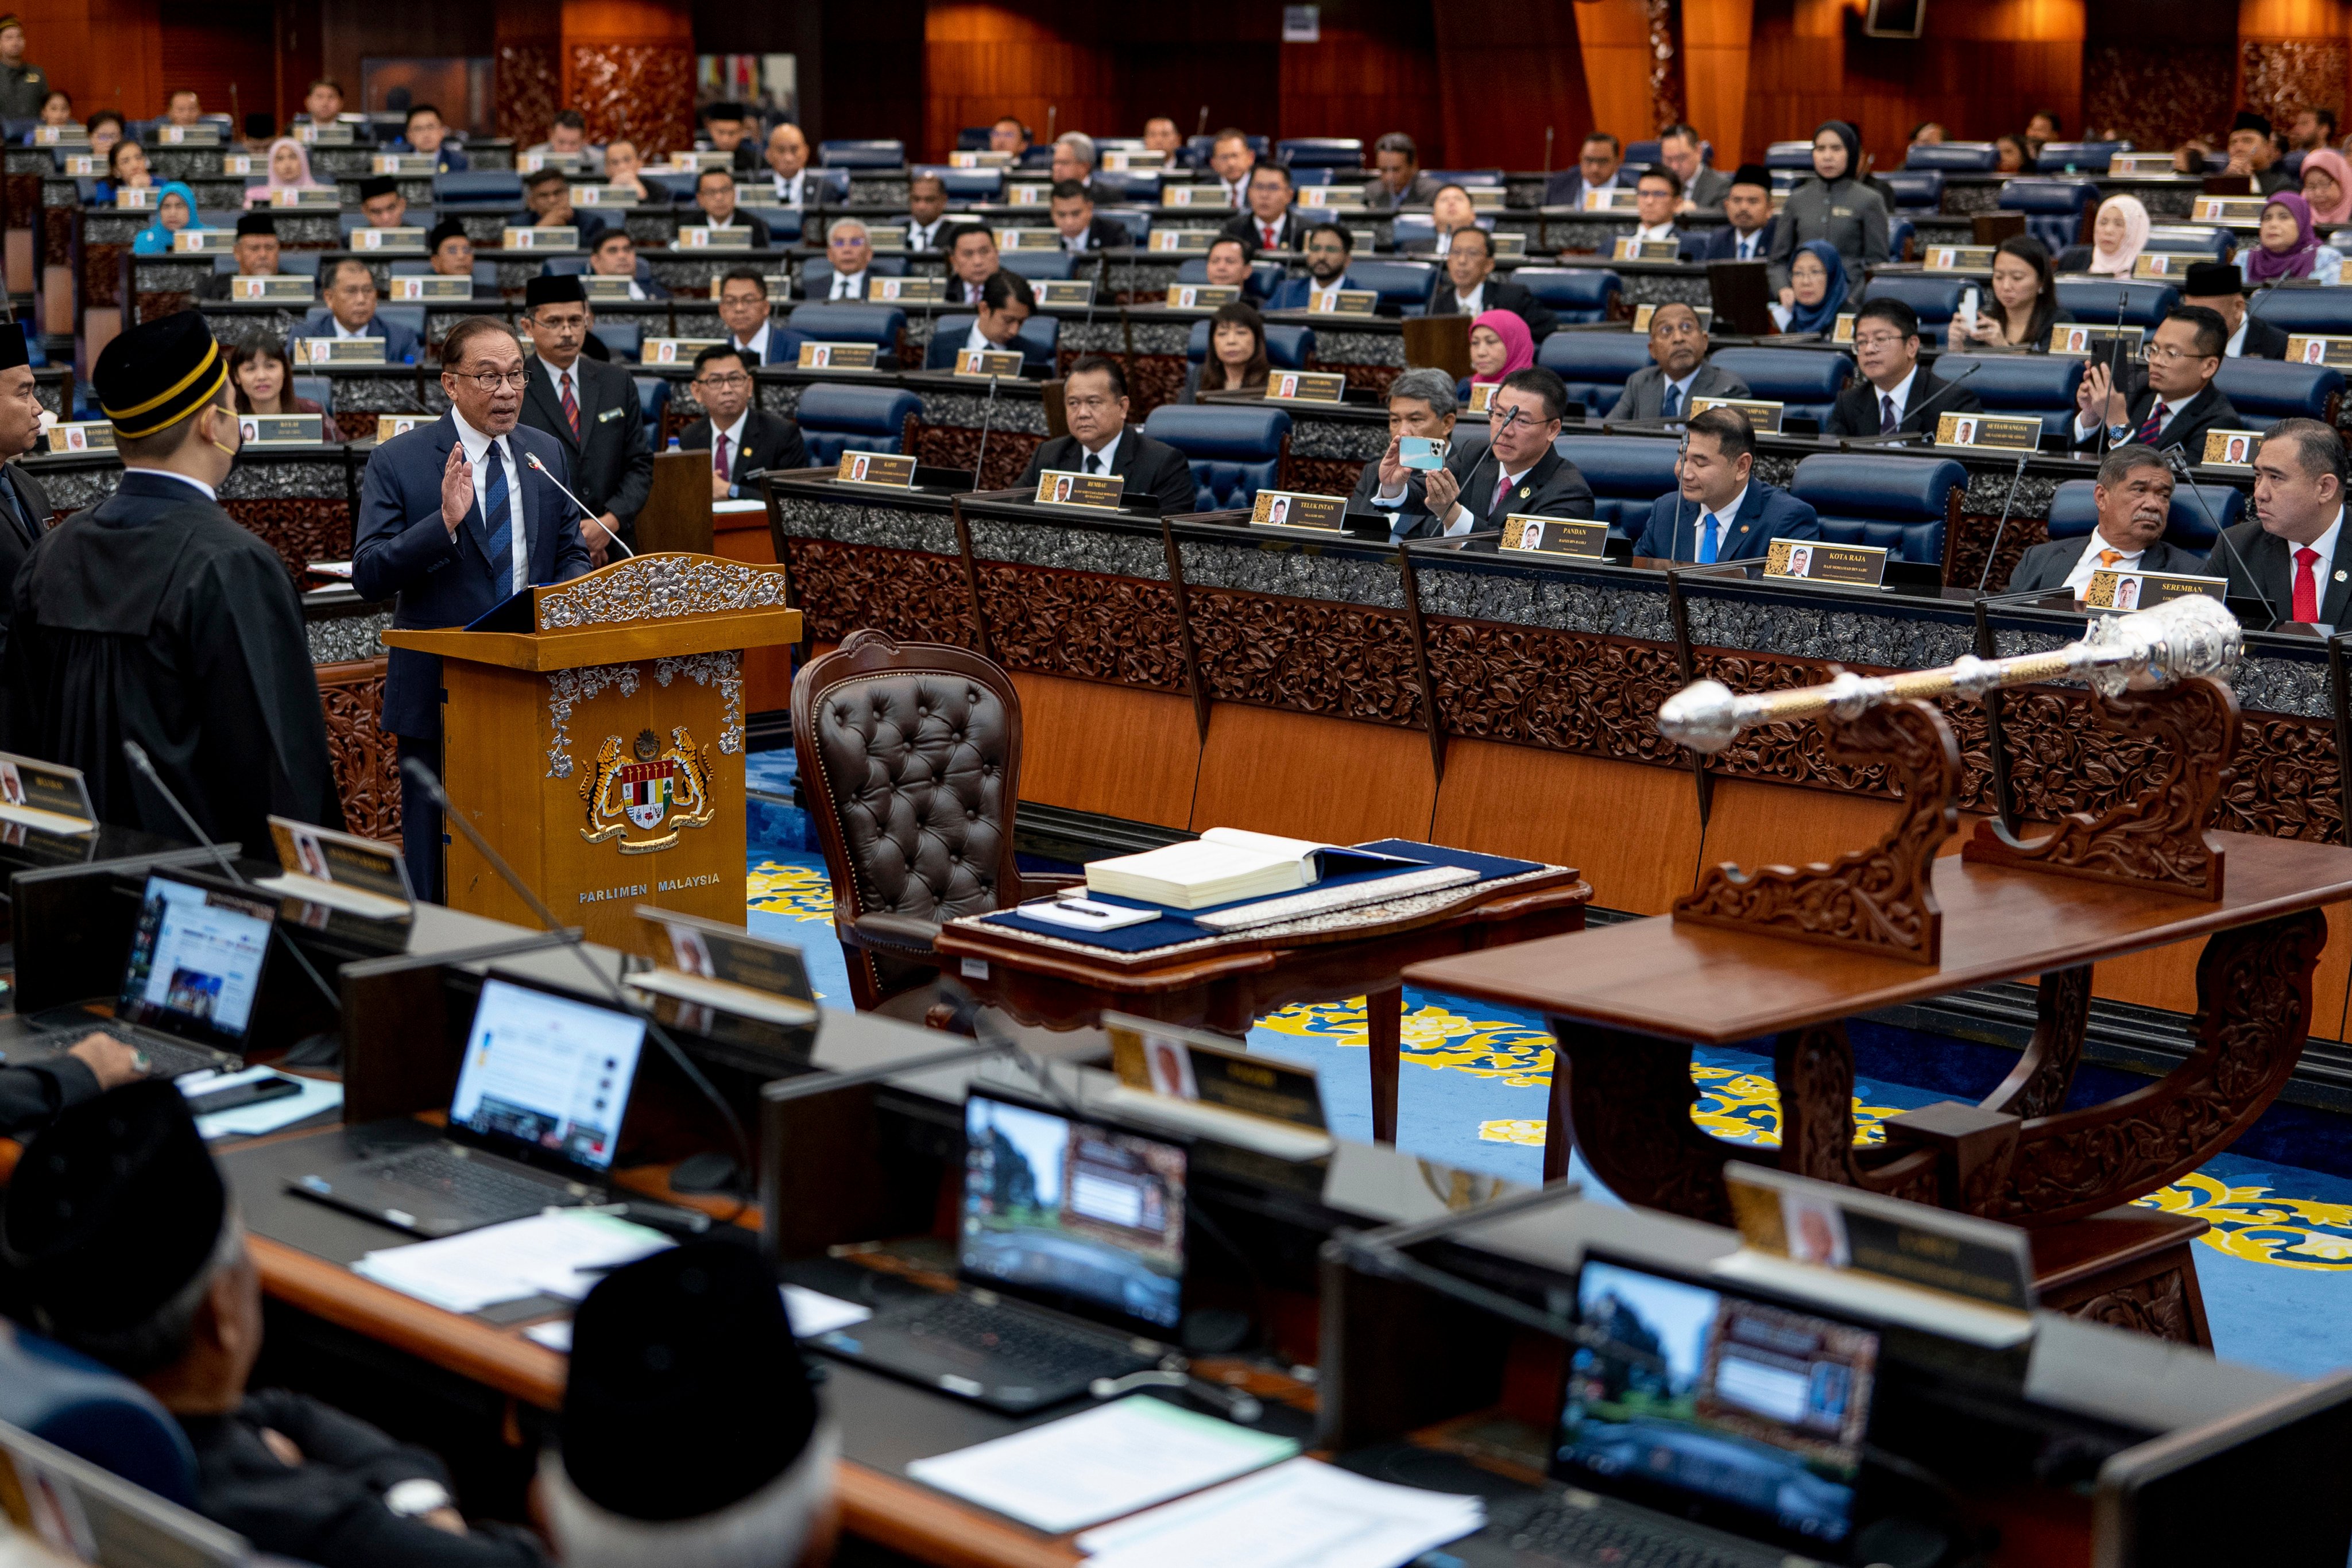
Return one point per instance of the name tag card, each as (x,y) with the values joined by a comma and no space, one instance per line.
(875,468)
(2163,264)
(603,196)
(1065,291)
(1119,161)
(1331,198)
(341,350)
(395,239)
(1957,258)
(2133,165)
(1307,386)
(2121,592)
(1810,560)
(1984,430)
(1029,195)
(1489,198)
(136,198)
(1202,296)
(1185,1064)
(44,796)
(276,287)
(237,163)
(1510,245)
(979,159)
(187,136)
(1842,331)
(707,236)
(1578,537)
(417,165)
(1181,242)
(2089,339)
(1616,199)
(1059,488)
(2230,448)
(203,242)
(988,362)
(281,429)
(1765,416)
(909,290)
(1028,239)
(1193,196)
(1625,248)
(567,237)
(2319,349)
(1289,509)
(388,425)
(325,198)
(696,158)
(532,163)
(430,286)
(674,350)
(87,163)
(61,136)
(82,435)
(336,135)
(1481,394)
(2230,212)
(327,867)
(716,966)
(1344,302)
(605,290)
(836,357)
(886,236)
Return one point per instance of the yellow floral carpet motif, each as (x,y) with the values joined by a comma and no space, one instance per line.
(798,892)
(1433,1037)
(2250,1223)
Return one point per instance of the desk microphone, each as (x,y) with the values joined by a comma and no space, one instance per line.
(146,768)
(1993,554)
(1947,386)
(424,778)
(2115,352)
(1674,540)
(532,458)
(988,418)
(2179,466)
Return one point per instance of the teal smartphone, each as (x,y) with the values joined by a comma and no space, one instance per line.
(1423,451)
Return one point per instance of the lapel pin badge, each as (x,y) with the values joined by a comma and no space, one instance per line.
(2341,576)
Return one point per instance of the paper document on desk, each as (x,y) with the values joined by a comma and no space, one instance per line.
(561,1253)
(263,1115)
(1109,1461)
(1304,1514)
(810,1312)
(1222,865)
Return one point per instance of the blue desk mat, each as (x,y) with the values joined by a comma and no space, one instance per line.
(1174,925)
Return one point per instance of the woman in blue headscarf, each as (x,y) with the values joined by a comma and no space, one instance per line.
(1818,283)
(175,210)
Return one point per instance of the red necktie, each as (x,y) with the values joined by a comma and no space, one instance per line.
(1269,236)
(2154,425)
(570,405)
(1502,488)
(720,460)
(2306,585)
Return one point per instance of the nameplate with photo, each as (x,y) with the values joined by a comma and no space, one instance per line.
(1122,160)
(326,867)
(330,135)
(44,796)
(1487,198)
(886,236)
(674,350)
(412,165)
(1202,296)
(82,435)
(713,966)
(987,364)
(1580,537)
(61,136)
(710,237)
(1615,199)
(1061,488)
(198,135)
(89,164)
(979,159)
(203,242)
(1644,313)
(2319,349)
(1482,393)
(564,237)
(693,160)
(405,238)
(1038,193)
(1181,242)
(1331,198)
(1193,196)
(1842,330)
(532,163)
(2230,212)
(875,468)
(2230,448)
(1190,1065)
(1764,414)
(1625,248)
(1307,386)
(907,290)
(1510,245)
(431,286)
(341,351)
(836,357)
(388,425)
(1811,561)
(2164,263)
(1027,239)
(1957,258)
(1986,431)
(603,196)
(2137,165)
(1059,292)
(2080,337)
(1345,302)
(607,290)
(1292,509)
(2121,592)
(319,199)
(136,198)
(281,429)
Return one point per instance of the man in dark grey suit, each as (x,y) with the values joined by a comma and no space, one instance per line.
(2134,497)
(2293,556)
(23,507)
(1678,371)
(1420,403)
(1679,148)
(1402,183)
(1516,473)
(1471,286)
(591,407)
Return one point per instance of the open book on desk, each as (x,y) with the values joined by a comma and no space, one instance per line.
(1224,866)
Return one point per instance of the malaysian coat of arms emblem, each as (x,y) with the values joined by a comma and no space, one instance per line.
(646,788)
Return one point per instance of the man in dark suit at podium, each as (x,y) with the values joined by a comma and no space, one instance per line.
(1101,442)
(2293,557)
(590,406)
(452,523)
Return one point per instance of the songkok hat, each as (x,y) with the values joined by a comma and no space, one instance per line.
(159,372)
(377,185)
(447,229)
(256,223)
(260,125)
(1752,174)
(2248,120)
(726,112)
(116,1206)
(12,346)
(690,1345)
(10,19)
(560,289)
(2209,279)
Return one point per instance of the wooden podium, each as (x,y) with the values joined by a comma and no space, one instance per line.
(599,748)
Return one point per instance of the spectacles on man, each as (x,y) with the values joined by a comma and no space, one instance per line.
(723,380)
(491,380)
(1879,340)
(2169,353)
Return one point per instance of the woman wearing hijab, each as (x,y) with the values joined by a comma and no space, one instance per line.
(289,170)
(1499,344)
(2327,186)
(1834,205)
(1817,290)
(2286,248)
(2118,236)
(175,209)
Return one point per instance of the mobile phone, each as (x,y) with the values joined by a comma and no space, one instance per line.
(1966,314)
(237,1095)
(1424,452)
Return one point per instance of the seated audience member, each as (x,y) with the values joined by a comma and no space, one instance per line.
(1236,361)
(260,129)
(1269,224)
(264,381)
(2217,286)
(1008,135)
(1516,471)
(2041,126)
(2312,131)
(796,184)
(1401,183)
(2293,553)
(1006,301)
(2254,152)
(1746,232)
(382,204)
(927,223)
(2171,400)
(1500,347)
(547,202)
(1227,265)
(849,251)
(1658,192)
(567,138)
(1677,370)
(2134,498)
(1721,511)
(322,102)
(2024,303)
(1833,207)
(1816,292)
(182,108)
(625,171)
(2118,236)
(2286,247)
(426,132)
(289,170)
(742,440)
(1891,392)
(349,290)
(451,252)
(1101,442)
(743,310)
(1927,133)
(972,262)
(1471,288)
(1073,158)
(175,210)
(1681,149)
(1072,208)
(56,109)
(124,1245)
(2012,154)
(692,1343)
(615,254)
(1233,163)
(727,128)
(1328,249)
(1161,135)
(255,251)
(1420,403)
(2191,157)
(1598,168)
(714,198)
(1449,214)
(126,170)
(106,128)
(31,1094)
(2327,186)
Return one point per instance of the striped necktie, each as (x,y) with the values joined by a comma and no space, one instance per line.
(496,516)
(571,404)
(2154,424)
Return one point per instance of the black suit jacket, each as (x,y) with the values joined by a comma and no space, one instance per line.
(2048,565)
(1723,243)
(2264,340)
(1856,412)
(1498,295)
(18,534)
(1104,234)
(2262,565)
(2208,410)
(1290,233)
(612,462)
(1554,487)
(1150,467)
(770,442)
(744,216)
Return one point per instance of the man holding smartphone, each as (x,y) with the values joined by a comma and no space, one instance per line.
(1420,407)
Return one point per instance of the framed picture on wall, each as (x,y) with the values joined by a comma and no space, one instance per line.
(1896,18)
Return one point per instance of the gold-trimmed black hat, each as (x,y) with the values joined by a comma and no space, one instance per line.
(158,373)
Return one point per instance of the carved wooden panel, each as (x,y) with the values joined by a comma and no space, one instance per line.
(913,597)
(2157,1306)
(2160,92)
(1563,691)
(645,92)
(1083,624)
(1321,476)
(56,236)
(102,274)
(366,761)
(1153,379)
(953,446)
(528,88)
(299,527)
(1975,536)
(154,304)
(1307,655)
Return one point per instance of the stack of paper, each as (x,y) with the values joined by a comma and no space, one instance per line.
(262,1115)
(1220,866)
(1304,1514)
(562,1252)
(810,1312)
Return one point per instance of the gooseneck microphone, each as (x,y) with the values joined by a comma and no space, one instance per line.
(1992,554)
(532,458)
(2115,361)
(2180,466)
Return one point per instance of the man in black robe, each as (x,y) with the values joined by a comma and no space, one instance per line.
(154,617)
(23,507)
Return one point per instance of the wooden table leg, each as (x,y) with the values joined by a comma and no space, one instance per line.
(1384,1032)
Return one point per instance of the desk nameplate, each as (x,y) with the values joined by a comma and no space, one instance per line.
(2120,592)
(203,242)
(1957,258)
(707,236)
(1625,248)
(1293,509)
(988,364)
(1644,313)
(1764,414)
(322,198)
(1307,386)
(1989,431)
(875,468)
(1181,242)
(1581,538)
(274,287)
(82,435)
(431,286)
(341,350)
(1344,302)
(1065,291)
(404,238)
(2319,349)
(1060,487)
(2230,448)
(563,238)
(1811,561)
(908,291)
(676,351)
(836,357)
(1202,296)
(281,429)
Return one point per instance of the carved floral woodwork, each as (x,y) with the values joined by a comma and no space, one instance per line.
(913,596)
(1085,625)
(365,759)
(1307,655)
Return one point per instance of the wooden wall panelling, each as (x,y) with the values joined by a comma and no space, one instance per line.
(1715,73)
(527,82)
(1632,831)
(1615,40)
(213,47)
(1374,70)
(1755,824)
(983,61)
(629,66)
(2159,71)
(1088,747)
(107,53)
(1504,73)
(349,32)
(1313,776)
(2291,54)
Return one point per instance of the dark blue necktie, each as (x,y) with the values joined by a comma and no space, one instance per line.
(495,513)
(1672,403)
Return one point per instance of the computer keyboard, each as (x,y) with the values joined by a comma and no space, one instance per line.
(1042,1348)
(476,1184)
(169,1059)
(1612,1538)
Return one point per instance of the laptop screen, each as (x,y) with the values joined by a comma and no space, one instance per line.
(1714,1406)
(547,1076)
(1072,1213)
(195,961)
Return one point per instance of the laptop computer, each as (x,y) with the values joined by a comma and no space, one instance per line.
(533,1123)
(1698,1427)
(1071,1251)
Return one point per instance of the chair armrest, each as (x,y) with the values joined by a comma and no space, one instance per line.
(1038,883)
(901,935)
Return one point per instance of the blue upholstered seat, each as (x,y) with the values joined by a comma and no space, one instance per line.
(2081,157)
(91,1410)
(1595,365)
(2074,512)
(1137,223)
(1038,338)
(879,325)
(1234,450)
(1403,285)
(1806,381)
(2213,242)
(1794,156)
(2144,304)
(1204,145)
(1127,185)
(1320,153)
(624,338)
(1286,348)
(1468,179)
(965,184)
(419,217)
(1626,473)
(1954,157)
(1574,294)
(816,274)
(1933,295)
(2054,209)
(1917,190)
(475,189)
(2265,391)
(2309,310)
(1900,503)
(876,154)
(1641,155)
(834,418)
(2043,385)
(1264,277)
(1035,265)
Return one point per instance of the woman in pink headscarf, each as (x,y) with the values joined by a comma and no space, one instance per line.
(289,170)
(1499,344)
(2327,186)
(2118,236)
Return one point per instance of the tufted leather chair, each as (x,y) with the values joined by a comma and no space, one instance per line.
(1805,380)
(1236,450)
(912,758)
(862,154)
(1626,473)
(1595,365)
(837,419)
(2263,390)
(2074,512)
(1577,295)
(1036,340)
(2043,385)
(1902,503)
(89,1409)
(2144,304)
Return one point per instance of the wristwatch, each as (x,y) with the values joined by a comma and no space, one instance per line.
(415,1496)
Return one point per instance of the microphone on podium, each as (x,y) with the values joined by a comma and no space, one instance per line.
(532,458)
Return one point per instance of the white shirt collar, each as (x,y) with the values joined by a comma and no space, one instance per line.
(1901,393)
(1474,301)
(344,332)
(1110,454)
(1656,231)
(210,494)
(1723,515)
(756,345)
(2237,343)
(477,445)
(786,184)
(2325,545)
(1741,242)
(1334,286)
(841,277)
(976,340)
(473,440)
(734,433)
(555,379)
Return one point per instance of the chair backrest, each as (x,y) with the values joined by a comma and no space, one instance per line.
(1575,294)
(2214,243)
(2083,157)
(409,316)
(878,154)
(1401,284)
(419,217)
(1641,155)
(2304,310)
(296,262)
(1807,381)
(2266,390)
(1958,157)
(625,338)
(1127,185)
(319,390)
(1915,190)
(1038,338)
(909,754)
(1900,503)
(971,139)
(1036,264)
(1137,223)
(1234,450)
(1321,152)
(1626,472)
(662,186)
(836,419)
(1934,299)
(1286,348)
(2054,209)
(89,1409)
(2074,512)
(1468,179)
(1038,157)
(1265,277)
(477,187)
(2043,385)
(2144,304)
(846,323)
(1595,365)
(1206,144)
(966,184)
(1795,156)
